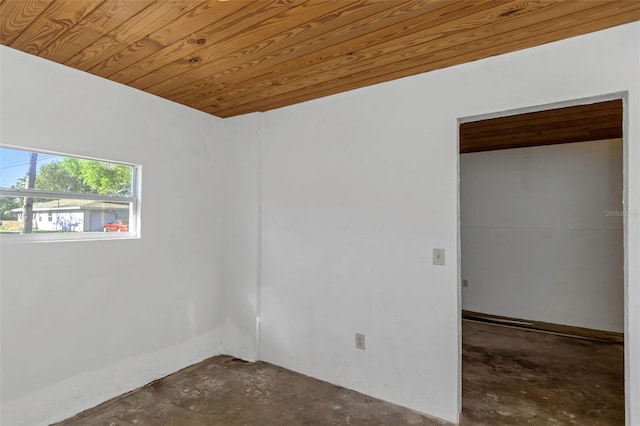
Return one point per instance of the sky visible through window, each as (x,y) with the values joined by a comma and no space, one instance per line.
(65,174)
(99,194)
(14,164)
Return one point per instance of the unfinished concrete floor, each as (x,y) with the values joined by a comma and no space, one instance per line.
(510,377)
(519,377)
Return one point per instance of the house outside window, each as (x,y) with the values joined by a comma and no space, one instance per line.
(82,198)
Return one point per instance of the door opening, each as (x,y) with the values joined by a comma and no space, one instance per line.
(542,282)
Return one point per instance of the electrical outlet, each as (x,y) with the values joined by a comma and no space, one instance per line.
(465,283)
(438,256)
(359,341)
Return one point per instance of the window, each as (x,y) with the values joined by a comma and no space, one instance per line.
(81,198)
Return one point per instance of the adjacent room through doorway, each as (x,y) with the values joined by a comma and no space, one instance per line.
(542,265)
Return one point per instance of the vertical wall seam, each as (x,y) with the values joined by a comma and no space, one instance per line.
(222,272)
(259,237)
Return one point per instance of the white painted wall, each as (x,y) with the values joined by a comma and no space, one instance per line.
(78,329)
(357,190)
(240,256)
(537,242)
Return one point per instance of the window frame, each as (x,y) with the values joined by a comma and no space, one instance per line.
(133,200)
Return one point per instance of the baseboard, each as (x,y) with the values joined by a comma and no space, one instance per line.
(564,330)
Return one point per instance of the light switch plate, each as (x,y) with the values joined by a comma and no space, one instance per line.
(438,256)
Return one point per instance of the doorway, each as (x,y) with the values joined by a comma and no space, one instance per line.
(541,237)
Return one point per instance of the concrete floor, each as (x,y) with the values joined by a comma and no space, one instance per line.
(510,377)
(518,377)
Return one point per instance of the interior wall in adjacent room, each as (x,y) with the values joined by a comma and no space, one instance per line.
(542,233)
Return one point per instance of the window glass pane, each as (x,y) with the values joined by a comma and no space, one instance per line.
(64,174)
(63,215)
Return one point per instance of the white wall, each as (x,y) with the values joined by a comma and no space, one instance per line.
(240,256)
(85,321)
(357,190)
(537,242)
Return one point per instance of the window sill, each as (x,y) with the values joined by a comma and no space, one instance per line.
(50,238)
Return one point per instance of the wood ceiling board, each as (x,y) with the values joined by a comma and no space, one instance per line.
(217,77)
(181,71)
(580,123)
(150,20)
(284,42)
(611,110)
(344,50)
(421,54)
(304,50)
(440,35)
(52,23)
(187,50)
(550,133)
(101,20)
(551,139)
(542,132)
(201,14)
(246,60)
(17,15)
(478,50)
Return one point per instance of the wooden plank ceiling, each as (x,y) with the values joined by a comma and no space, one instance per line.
(581,123)
(233,57)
